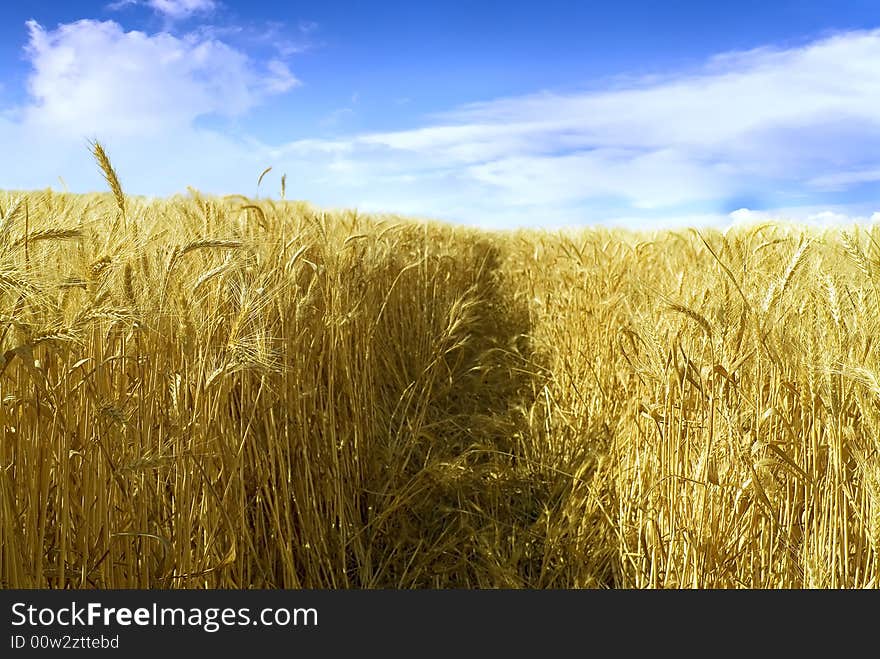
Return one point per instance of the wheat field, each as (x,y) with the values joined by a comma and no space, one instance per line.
(219,392)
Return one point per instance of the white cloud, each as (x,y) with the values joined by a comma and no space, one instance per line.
(286,40)
(759,112)
(182,8)
(791,120)
(649,179)
(842,180)
(830,216)
(121,4)
(171,9)
(749,216)
(94,78)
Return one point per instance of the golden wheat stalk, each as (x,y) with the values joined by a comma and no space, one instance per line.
(110,176)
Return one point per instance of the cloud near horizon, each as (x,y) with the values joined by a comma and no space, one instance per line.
(781,128)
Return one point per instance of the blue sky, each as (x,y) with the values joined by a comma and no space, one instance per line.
(552,113)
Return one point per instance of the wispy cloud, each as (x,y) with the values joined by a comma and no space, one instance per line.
(121,4)
(173,9)
(789,116)
(182,8)
(336,117)
(845,179)
(784,126)
(290,41)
